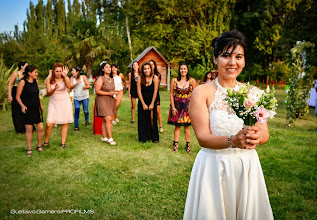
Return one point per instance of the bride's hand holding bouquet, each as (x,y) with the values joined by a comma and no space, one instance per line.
(253,106)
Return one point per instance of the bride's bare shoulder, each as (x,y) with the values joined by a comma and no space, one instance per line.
(205,88)
(205,93)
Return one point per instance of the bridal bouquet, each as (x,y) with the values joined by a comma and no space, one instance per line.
(252,104)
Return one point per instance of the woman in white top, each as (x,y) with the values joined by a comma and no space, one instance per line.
(118,84)
(80,86)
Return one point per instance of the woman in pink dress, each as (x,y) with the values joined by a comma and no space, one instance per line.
(60,110)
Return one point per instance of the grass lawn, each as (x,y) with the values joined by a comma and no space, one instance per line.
(142,181)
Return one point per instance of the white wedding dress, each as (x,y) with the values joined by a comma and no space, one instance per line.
(226,184)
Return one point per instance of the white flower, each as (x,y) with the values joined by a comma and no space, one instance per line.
(271,113)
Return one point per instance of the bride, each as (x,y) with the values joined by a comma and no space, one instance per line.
(227,181)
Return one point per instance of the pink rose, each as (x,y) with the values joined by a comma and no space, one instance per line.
(261,115)
(248,103)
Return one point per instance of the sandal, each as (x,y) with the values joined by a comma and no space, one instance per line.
(104,139)
(45,144)
(188,150)
(76,129)
(28,153)
(161,130)
(111,142)
(175,146)
(39,148)
(63,146)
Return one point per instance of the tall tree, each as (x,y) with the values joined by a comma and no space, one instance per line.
(49,18)
(60,18)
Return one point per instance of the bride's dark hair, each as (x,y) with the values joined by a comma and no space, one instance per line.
(227,40)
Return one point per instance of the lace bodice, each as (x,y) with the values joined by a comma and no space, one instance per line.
(223,121)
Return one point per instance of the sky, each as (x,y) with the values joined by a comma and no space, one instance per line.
(13,12)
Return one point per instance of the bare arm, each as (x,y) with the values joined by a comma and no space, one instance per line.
(67,82)
(86,83)
(145,107)
(39,96)
(129,89)
(123,81)
(72,84)
(172,94)
(65,77)
(11,81)
(98,90)
(18,96)
(174,110)
(194,83)
(49,90)
(198,111)
(156,84)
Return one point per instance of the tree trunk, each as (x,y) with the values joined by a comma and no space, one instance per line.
(129,39)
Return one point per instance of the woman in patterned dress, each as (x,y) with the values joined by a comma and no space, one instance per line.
(181,90)
(105,101)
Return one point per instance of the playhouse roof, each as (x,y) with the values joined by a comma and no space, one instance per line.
(146,51)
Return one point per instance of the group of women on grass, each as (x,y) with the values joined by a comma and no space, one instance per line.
(143,84)
(227,180)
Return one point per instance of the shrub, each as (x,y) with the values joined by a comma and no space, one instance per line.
(4,79)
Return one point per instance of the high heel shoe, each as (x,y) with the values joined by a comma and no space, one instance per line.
(188,150)
(175,146)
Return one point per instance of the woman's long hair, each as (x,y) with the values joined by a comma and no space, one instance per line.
(116,66)
(142,74)
(77,68)
(28,69)
(205,77)
(20,64)
(56,65)
(99,72)
(179,71)
(132,70)
(156,72)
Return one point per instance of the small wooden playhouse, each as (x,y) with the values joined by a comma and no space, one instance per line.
(151,53)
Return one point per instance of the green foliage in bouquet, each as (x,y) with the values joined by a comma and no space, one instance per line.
(251,104)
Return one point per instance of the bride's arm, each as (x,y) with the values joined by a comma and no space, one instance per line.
(199,116)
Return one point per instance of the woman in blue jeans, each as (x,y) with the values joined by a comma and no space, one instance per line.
(81,87)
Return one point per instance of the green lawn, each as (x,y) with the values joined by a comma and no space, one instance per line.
(142,181)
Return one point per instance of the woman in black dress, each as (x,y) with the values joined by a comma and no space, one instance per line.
(12,90)
(133,78)
(28,98)
(147,115)
(158,99)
